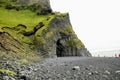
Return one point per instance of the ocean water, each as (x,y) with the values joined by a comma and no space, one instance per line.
(108,53)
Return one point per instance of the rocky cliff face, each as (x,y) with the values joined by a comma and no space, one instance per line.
(51,35)
(61,40)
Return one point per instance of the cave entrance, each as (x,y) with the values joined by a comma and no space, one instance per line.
(59,49)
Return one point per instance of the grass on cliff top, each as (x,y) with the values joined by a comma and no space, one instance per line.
(12,18)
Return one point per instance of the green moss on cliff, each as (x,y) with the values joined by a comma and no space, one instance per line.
(75,42)
(68,30)
(18,36)
(39,40)
(9,19)
(46,24)
(12,18)
(49,34)
(39,34)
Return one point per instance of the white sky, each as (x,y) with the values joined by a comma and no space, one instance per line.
(96,22)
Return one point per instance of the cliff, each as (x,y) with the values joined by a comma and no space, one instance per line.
(30,28)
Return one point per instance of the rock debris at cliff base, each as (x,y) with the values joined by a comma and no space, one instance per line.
(68,68)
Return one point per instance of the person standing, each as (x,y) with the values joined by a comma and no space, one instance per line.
(116,55)
(119,55)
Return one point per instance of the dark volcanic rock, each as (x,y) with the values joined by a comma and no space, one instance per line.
(78,68)
(61,40)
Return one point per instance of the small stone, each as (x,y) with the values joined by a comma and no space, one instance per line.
(30,68)
(75,75)
(5,78)
(35,69)
(66,65)
(96,71)
(67,72)
(12,78)
(50,64)
(25,77)
(117,72)
(90,73)
(107,72)
(105,76)
(76,68)
(86,68)
(22,72)
(90,66)
(64,78)
(50,79)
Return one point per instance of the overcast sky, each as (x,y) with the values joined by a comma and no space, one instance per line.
(96,22)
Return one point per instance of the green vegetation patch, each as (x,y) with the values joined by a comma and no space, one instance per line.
(75,42)
(61,16)
(39,40)
(49,34)
(68,30)
(39,37)
(28,18)
(9,72)
(12,18)
(22,61)
(17,35)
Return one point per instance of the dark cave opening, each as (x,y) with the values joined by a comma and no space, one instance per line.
(59,49)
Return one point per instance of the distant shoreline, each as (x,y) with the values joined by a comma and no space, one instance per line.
(106,53)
